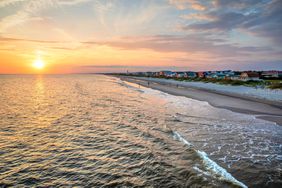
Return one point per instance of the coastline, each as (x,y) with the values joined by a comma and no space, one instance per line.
(261,108)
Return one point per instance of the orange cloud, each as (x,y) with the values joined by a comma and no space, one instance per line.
(185,4)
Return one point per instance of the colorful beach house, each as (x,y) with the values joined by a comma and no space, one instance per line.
(235,76)
(180,74)
(191,74)
(168,74)
(249,75)
(215,75)
(201,74)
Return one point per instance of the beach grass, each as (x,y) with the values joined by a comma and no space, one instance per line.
(270,84)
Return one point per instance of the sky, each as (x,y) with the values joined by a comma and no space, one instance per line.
(83,36)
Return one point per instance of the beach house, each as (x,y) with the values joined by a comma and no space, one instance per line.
(219,75)
(168,74)
(249,75)
(273,74)
(215,75)
(201,74)
(180,74)
(191,74)
(236,75)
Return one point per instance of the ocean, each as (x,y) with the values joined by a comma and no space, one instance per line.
(98,131)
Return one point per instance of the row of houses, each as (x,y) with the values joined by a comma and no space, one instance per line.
(226,74)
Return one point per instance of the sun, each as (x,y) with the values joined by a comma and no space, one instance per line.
(38,64)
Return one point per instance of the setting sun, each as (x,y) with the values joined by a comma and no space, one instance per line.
(38,64)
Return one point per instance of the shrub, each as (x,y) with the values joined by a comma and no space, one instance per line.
(276,85)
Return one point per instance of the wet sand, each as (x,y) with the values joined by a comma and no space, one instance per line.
(263,109)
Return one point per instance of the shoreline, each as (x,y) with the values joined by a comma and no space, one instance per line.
(261,108)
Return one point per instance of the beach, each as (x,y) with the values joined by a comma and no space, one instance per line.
(261,108)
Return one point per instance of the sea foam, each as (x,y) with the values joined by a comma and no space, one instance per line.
(211,167)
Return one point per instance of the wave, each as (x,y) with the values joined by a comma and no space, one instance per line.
(211,168)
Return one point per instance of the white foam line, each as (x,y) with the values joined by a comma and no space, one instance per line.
(177,136)
(210,165)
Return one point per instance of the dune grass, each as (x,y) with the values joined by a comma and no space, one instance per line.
(271,84)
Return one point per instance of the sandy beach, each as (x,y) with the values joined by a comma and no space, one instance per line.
(263,109)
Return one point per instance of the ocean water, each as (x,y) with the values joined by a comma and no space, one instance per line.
(98,131)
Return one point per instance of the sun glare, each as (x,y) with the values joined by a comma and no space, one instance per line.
(38,64)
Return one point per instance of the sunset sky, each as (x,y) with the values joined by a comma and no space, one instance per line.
(78,36)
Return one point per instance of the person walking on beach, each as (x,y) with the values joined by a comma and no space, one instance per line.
(148,83)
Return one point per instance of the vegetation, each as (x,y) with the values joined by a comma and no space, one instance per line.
(271,84)
(274,84)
